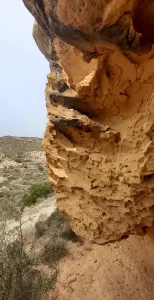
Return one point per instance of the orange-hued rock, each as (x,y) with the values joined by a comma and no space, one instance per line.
(99,140)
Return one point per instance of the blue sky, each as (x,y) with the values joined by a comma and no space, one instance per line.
(23,71)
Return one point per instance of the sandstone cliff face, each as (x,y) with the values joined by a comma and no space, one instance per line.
(99,140)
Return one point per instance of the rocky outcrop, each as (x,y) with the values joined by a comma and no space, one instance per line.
(100,100)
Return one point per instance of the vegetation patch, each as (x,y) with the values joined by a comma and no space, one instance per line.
(58,229)
(37,191)
(18,160)
(56,226)
(20,275)
(53,251)
(69,234)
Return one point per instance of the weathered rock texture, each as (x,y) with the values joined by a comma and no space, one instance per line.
(99,140)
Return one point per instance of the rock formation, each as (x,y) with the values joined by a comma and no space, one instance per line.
(99,140)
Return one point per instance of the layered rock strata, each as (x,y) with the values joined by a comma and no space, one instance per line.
(100,100)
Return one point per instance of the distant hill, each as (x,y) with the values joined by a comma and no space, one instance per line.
(11,145)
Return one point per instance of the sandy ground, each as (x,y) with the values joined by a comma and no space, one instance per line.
(120,271)
(32,214)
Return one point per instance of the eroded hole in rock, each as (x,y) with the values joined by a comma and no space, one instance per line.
(128,204)
(117,138)
(124,237)
(87,130)
(144,23)
(152,207)
(145,228)
(148,177)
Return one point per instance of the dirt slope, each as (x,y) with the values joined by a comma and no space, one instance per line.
(120,271)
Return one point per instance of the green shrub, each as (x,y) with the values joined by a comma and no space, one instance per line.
(40,168)
(69,234)
(40,228)
(37,191)
(20,277)
(18,160)
(53,251)
(56,226)
(56,219)
(52,226)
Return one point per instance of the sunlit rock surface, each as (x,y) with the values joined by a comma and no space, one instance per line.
(100,100)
